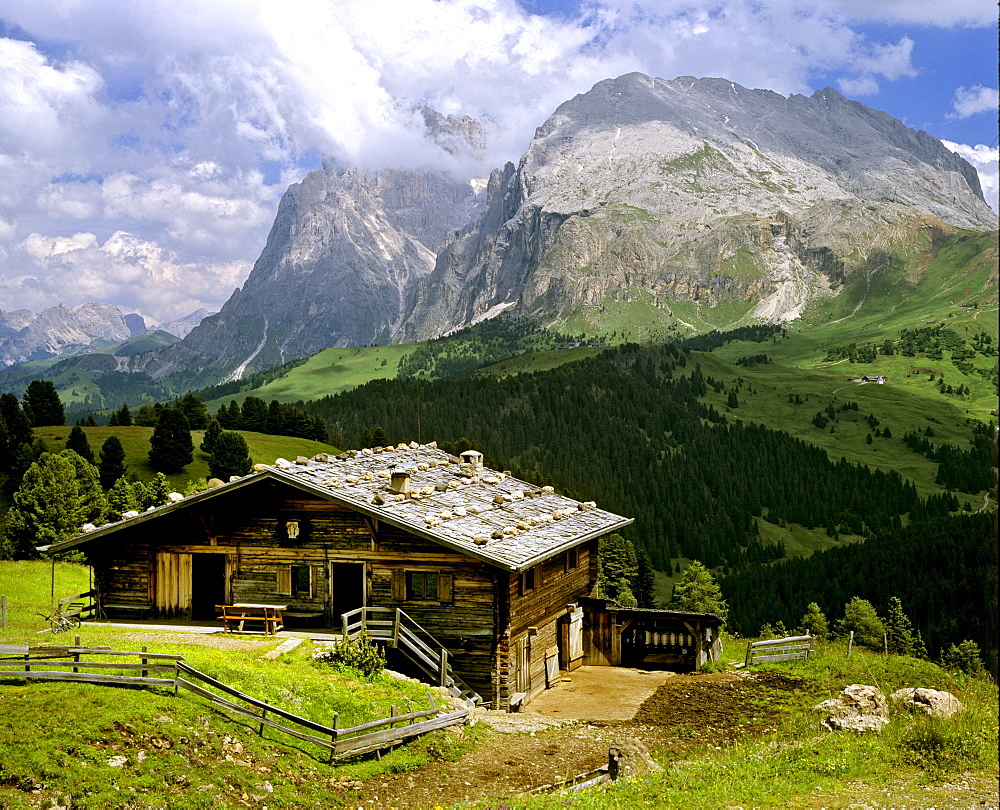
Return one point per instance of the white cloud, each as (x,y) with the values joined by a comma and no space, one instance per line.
(161,120)
(986,159)
(975,99)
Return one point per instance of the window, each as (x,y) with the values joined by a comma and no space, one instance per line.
(527,581)
(296,580)
(302,580)
(572,559)
(422,585)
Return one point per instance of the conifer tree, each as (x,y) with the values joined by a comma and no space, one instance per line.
(124,415)
(42,403)
(231,456)
(171,447)
(898,628)
(860,616)
(78,443)
(696,591)
(814,622)
(93,501)
(111,465)
(125,496)
(212,433)
(645,581)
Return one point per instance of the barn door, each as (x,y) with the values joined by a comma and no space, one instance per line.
(571,639)
(173,585)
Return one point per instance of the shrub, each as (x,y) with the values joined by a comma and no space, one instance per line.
(360,653)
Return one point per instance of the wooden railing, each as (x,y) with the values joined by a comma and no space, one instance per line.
(403,633)
(779,649)
(339,742)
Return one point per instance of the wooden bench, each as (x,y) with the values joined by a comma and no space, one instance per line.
(237,616)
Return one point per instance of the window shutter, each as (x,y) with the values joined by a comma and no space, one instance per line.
(399,586)
(312,581)
(446,587)
(285,580)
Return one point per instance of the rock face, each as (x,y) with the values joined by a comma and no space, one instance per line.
(932,702)
(677,194)
(857,708)
(182,326)
(345,250)
(694,190)
(59,331)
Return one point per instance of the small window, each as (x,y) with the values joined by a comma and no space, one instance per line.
(572,559)
(528,580)
(422,585)
(302,580)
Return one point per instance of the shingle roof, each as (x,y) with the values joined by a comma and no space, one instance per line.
(484,513)
(481,512)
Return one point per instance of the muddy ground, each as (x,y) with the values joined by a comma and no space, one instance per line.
(686,711)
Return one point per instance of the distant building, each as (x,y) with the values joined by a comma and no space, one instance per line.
(881,379)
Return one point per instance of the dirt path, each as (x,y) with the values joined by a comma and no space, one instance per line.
(535,749)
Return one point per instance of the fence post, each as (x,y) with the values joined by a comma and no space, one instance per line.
(343,621)
(850,643)
(749,658)
(444,667)
(260,728)
(395,629)
(3,612)
(885,643)
(144,673)
(335,724)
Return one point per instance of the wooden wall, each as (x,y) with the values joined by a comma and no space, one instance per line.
(536,617)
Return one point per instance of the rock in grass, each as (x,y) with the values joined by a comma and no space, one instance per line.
(858,708)
(932,702)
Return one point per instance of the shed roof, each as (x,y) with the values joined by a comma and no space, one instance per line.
(480,512)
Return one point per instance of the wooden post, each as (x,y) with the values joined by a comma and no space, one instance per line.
(614,763)
(76,655)
(334,725)
(395,629)
(444,667)
(343,622)
(260,728)
(144,672)
(749,658)
(885,643)
(850,643)
(76,641)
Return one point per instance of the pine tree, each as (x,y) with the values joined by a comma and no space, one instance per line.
(111,465)
(860,616)
(212,433)
(123,497)
(645,581)
(230,457)
(964,657)
(171,447)
(42,402)
(124,415)
(814,622)
(616,563)
(898,628)
(78,443)
(51,504)
(697,592)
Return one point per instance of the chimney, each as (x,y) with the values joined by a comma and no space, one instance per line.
(400,481)
(472,463)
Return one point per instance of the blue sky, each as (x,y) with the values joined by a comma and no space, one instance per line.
(144,146)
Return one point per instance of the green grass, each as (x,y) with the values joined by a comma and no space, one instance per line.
(179,750)
(328,372)
(264,449)
(797,764)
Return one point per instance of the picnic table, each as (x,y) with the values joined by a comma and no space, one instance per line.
(238,615)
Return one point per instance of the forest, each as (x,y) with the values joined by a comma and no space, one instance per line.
(627,429)
(943,570)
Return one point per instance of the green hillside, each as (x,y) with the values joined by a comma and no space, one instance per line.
(264,449)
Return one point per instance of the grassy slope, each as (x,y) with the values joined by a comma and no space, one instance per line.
(264,448)
(192,754)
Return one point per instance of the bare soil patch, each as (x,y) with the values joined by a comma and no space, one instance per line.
(685,712)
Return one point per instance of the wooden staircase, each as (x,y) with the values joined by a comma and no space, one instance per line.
(402,633)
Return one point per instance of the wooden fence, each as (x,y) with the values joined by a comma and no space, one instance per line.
(73,663)
(779,649)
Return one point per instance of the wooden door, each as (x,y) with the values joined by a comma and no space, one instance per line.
(522,655)
(173,585)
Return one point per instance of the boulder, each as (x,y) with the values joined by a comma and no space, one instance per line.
(932,702)
(629,757)
(857,708)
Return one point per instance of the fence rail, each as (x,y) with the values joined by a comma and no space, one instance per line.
(20,661)
(779,649)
